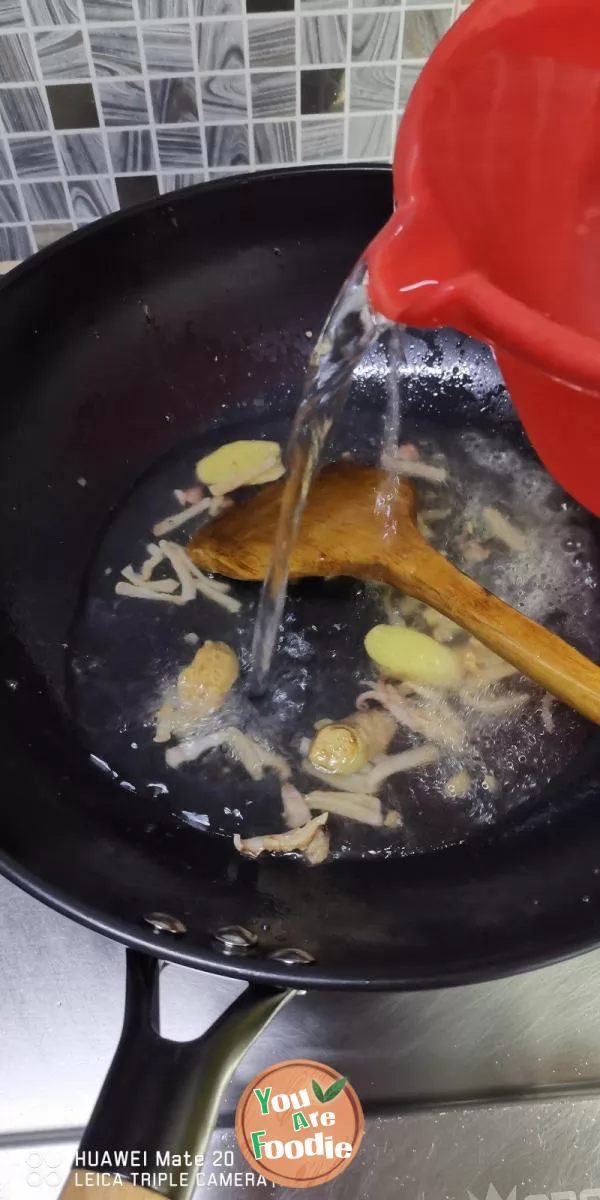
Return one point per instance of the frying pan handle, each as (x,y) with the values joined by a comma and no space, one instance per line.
(161,1098)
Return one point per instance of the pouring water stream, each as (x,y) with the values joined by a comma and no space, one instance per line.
(350,329)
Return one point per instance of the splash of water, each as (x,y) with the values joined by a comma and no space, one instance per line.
(392,420)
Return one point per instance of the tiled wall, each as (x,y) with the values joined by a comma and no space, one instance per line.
(104,103)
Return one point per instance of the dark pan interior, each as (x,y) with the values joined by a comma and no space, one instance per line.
(120,346)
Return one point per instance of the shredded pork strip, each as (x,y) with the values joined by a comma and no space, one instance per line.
(503,530)
(318,848)
(280,843)
(393,764)
(295,809)
(443,726)
(414,470)
(192,749)
(498,706)
(254,756)
(154,585)
(142,591)
(179,562)
(356,806)
(183,516)
(213,589)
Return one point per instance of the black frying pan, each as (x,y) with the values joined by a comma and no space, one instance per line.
(122,345)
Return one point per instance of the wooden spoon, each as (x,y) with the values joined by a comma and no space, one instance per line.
(342,533)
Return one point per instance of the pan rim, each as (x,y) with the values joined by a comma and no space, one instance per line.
(229,182)
(267,971)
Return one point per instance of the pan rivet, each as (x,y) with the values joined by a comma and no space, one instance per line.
(292,957)
(234,939)
(164,923)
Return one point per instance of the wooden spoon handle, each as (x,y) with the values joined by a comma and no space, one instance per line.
(544,657)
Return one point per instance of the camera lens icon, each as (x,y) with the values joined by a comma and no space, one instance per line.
(42,1169)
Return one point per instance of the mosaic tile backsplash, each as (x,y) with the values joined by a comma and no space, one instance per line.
(105,103)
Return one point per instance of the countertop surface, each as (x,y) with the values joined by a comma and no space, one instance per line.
(495,1084)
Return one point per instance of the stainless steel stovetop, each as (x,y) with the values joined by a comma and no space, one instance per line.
(431,1069)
